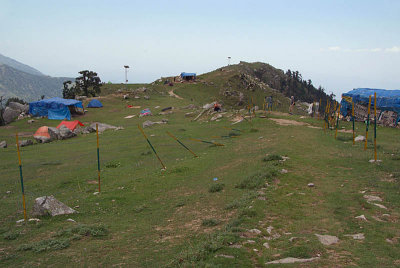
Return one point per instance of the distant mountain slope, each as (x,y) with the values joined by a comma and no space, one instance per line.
(18,65)
(16,83)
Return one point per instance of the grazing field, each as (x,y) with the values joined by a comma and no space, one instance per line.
(239,205)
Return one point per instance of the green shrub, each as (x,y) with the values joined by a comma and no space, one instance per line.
(46,245)
(113,164)
(272,157)
(10,235)
(217,187)
(210,222)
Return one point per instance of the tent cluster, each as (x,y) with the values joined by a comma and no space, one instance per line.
(386,100)
(60,109)
(66,129)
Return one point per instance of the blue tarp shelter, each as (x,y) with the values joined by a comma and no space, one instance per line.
(95,104)
(54,108)
(188,76)
(386,100)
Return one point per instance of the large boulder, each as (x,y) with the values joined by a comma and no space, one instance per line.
(9,115)
(42,139)
(24,143)
(65,133)
(22,108)
(3,144)
(54,133)
(48,205)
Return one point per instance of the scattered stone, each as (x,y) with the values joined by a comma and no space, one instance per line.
(31,121)
(371,198)
(379,205)
(34,219)
(266,245)
(359,138)
(235,246)
(20,221)
(77,206)
(215,117)
(310,184)
(389,241)
(269,229)
(284,171)
(8,192)
(362,192)
(255,250)
(96,193)
(383,215)
(3,144)
(292,260)
(294,238)
(225,256)
(289,194)
(357,236)
(71,220)
(49,205)
(255,231)
(327,239)
(250,242)
(24,143)
(65,133)
(361,217)
(129,116)
(146,97)
(149,123)
(373,161)
(126,97)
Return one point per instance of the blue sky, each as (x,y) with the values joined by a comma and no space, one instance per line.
(340,45)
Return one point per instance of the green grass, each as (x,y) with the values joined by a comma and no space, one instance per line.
(146,217)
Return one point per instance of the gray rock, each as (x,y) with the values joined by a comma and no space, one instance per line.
(215,117)
(103,127)
(24,143)
(371,198)
(21,108)
(292,260)
(327,239)
(357,236)
(3,144)
(266,245)
(31,121)
(310,184)
(48,205)
(225,256)
(42,139)
(54,133)
(146,97)
(65,133)
(359,138)
(361,217)
(147,123)
(255,231)
(9,115)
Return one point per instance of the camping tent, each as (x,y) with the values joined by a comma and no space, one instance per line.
(54,108)
(70,124)
(188,76)
(386,100)
(42,132)
(95,104)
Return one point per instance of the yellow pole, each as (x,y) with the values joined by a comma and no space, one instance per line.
(98,156)
(337,121)
(184,146)
(21,177)
(366,131)
(151,146)
(376,157)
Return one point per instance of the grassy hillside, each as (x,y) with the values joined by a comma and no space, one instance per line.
(145,217)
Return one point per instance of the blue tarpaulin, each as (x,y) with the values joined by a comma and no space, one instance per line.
(386,100)
(54,108)
(187,74)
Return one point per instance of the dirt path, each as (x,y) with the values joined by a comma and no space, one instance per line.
(172,94)
(286,122)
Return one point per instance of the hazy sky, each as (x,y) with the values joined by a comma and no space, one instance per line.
(340,45)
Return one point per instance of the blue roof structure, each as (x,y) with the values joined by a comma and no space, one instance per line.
(187,74)
(386,100)
(54,108)
(95,104)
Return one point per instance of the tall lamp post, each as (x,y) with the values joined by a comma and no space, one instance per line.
(126,73)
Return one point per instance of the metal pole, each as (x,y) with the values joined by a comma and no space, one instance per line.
(21,177)
(144,135)
(175,138)
(98,156)
(366,130)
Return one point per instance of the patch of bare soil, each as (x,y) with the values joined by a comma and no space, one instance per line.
(172,94)
(286,122)
(345,131)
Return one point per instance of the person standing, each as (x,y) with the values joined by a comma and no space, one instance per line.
(292,104)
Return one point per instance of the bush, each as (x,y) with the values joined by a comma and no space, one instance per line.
(46,245)
(217,187)
(272,157)
(10,235)
(210,222)
(257,180)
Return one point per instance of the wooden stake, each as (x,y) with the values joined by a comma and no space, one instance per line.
(366,129)
(21,177)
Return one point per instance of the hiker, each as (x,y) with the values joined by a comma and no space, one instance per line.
(292,104)
(268,101)
(217,107)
